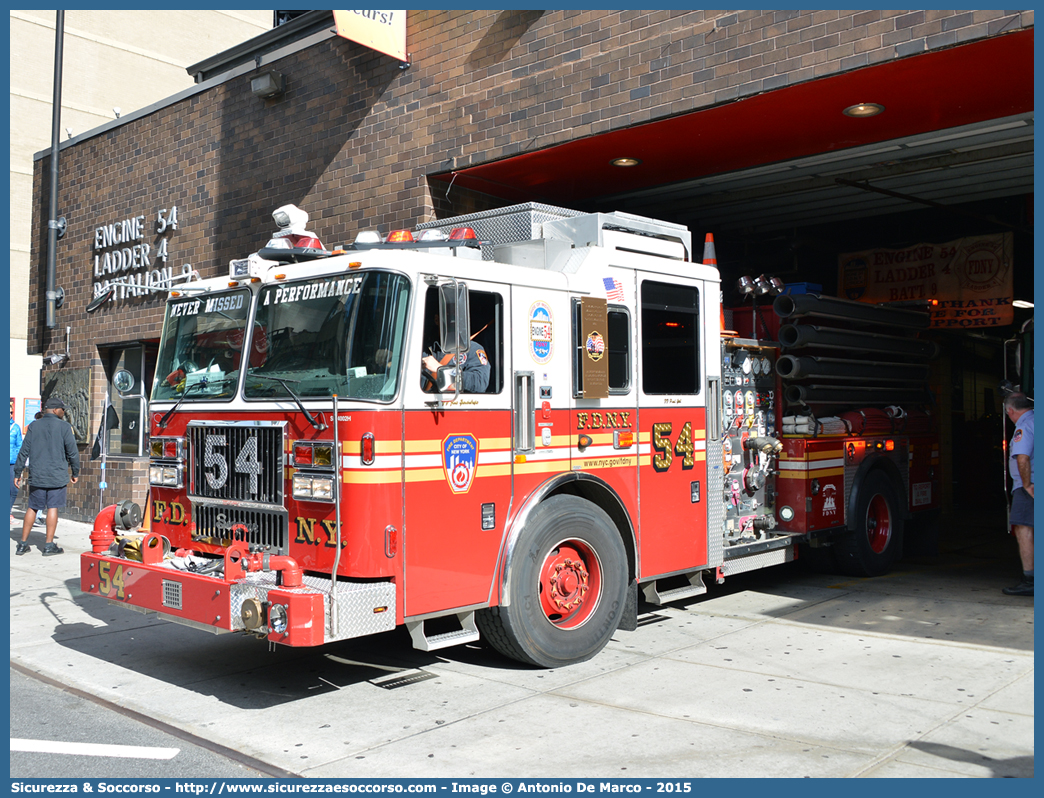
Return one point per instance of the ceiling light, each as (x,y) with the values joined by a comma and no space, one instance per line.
(625,161)
(1022,303)
(861,110)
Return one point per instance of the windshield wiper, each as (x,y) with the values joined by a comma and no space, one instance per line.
(319,425)
(203,383)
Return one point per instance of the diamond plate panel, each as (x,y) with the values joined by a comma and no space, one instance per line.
(356,603)
(755,561)
(715,504)
(504,225)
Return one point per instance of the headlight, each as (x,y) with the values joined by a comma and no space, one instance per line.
(277,618)
(165,476)
(786,514)
(317,488)
(322,488)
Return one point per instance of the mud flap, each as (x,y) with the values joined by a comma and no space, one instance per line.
(629,616)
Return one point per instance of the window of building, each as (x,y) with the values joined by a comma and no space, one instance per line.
(127,428)
(670,339)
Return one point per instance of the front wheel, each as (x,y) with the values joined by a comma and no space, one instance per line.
(566,587)
(875,531)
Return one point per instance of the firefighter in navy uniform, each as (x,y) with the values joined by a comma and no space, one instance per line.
(474,368)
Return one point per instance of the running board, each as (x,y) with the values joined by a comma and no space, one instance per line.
(468,633)
(694,588)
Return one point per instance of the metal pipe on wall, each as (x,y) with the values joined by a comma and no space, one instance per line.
(52,217)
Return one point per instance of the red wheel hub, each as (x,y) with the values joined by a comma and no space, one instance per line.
(878,523)
(570,580)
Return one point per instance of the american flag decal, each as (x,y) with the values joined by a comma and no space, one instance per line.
(613,289)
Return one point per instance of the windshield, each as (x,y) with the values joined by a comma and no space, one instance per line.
(339,334)
(202,344)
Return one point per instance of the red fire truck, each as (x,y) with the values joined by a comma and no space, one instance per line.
(506,439)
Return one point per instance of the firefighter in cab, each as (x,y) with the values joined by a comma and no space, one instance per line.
(474,366)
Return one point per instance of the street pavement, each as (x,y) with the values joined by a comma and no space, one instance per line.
(43,714)
(926,672)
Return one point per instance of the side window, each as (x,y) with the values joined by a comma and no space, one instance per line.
(484,363)
(618,349)
(670,339)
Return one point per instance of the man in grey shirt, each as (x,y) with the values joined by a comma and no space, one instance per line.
(50,449)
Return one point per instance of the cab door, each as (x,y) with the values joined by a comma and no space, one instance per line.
(457,463)
(672,424)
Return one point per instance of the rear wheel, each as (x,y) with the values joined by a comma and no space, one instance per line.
(566,588)
(875,532)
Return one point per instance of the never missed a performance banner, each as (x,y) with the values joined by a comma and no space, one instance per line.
(971,278)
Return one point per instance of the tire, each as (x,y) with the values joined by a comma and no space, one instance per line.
(566,589)
(874,540)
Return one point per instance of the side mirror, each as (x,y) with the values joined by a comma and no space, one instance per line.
(454,332)
(123,381)
(444,378)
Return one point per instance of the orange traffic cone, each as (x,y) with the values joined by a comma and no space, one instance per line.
(710,258)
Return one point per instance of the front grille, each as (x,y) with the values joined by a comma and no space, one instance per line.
(221,525)
(237,462)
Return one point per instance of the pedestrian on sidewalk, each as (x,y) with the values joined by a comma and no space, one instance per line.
(1020,453)
(50,448)
(16,444)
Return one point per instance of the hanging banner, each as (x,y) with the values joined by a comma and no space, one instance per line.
(383,31)
(971,278)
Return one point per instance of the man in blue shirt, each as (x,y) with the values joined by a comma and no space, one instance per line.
(50,449)
(16,444)
(1020,463)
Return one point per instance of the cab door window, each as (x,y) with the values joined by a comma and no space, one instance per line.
(483,365)
(670,339)
(617,350)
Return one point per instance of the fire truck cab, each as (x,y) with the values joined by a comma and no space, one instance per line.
(506,439)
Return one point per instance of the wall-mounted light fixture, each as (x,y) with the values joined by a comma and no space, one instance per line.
(268,84)
(863,110)
(625,161)
(1022,303)
(58,357)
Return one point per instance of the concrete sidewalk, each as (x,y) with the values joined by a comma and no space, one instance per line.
(927,672)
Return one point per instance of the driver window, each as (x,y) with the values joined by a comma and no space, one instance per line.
(483,362)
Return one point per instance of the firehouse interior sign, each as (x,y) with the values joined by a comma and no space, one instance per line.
(383,31)
(971,278)
(123,258)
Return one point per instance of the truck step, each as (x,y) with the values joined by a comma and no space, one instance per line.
(656,596)
(468,633)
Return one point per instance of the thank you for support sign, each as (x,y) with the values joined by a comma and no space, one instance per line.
(383,31)
(971,278)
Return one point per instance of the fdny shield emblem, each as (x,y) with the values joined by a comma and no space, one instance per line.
(459,458)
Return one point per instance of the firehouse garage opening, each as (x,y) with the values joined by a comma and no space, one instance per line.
(250,284)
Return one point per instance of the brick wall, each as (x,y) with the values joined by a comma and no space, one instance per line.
(355,138)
